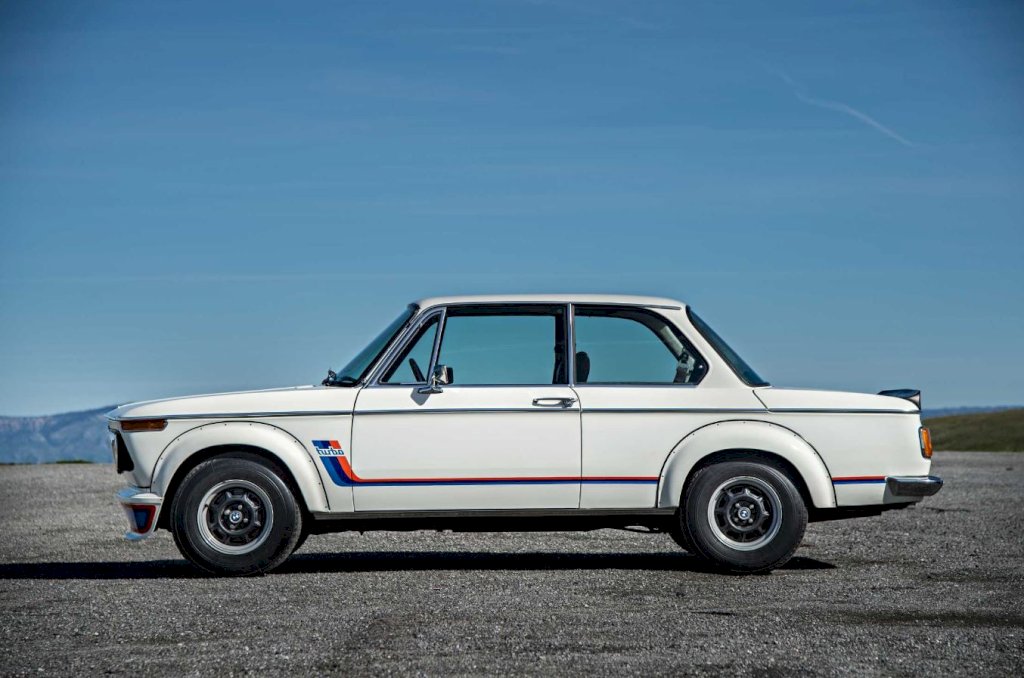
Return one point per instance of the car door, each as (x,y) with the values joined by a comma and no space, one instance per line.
(643,387)
(503,434)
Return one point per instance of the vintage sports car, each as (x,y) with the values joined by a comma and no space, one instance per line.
(521,412)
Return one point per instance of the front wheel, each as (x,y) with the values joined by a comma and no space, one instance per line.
(743,516)
(235,515)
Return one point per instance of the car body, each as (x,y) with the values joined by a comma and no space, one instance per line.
(521,412)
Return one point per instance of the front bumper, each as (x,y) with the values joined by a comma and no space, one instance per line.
(142,509)
(913,486)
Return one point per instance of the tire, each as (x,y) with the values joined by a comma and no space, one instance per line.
(256,523)
(743,516)
(679,536)
(302,540)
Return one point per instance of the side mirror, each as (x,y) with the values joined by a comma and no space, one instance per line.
(441,376)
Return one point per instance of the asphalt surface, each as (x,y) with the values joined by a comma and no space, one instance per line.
(935,589)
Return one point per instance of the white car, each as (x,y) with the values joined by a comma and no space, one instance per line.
(527,412)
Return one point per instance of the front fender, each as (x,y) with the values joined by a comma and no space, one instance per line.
(745,435)
(289,451)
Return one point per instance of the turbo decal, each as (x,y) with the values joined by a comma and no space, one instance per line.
(328,447)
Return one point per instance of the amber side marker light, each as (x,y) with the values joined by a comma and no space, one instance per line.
(926,443)
(132,425)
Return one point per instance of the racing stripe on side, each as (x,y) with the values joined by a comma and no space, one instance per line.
(340,471)
(858,480)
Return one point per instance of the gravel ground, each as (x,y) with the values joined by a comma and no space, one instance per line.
(932,589)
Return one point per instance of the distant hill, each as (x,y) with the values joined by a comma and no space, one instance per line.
(57,437)
(930,412)
(1001,431)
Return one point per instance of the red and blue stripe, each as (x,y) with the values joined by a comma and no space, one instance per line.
(859,480)
(341,473)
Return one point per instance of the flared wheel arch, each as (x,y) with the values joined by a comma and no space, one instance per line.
(248,452)
(747,440)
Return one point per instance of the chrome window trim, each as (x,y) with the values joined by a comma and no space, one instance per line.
(373,375)
(435,350)
(383,355)
(553,302)
(688,313)
(439,339)
(570,345)
(389,356)
(707,363)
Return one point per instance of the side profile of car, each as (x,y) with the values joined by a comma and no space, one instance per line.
(524,412)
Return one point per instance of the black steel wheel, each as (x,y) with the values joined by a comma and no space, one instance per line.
(235,515)
(743,516)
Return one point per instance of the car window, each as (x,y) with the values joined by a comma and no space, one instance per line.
(617,345)
(412,365)
(504,346)
(738,364)
(352,373)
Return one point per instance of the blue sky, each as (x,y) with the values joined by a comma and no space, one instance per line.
(208,196)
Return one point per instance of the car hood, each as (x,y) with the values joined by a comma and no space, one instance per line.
(292,400)
(782,399)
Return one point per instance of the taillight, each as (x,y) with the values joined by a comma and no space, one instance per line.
(926,442)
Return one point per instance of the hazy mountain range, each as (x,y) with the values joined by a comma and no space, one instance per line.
(57,437)
(82,436)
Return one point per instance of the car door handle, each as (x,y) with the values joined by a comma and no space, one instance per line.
(553,402)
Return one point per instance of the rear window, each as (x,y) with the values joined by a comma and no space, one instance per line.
(738,365)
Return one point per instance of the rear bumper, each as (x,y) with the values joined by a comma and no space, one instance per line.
(913,486)
(142,508)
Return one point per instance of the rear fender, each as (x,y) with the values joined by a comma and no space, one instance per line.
(757,436)
(277,442)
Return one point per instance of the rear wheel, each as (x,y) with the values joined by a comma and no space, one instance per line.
(743,516)
(235,515)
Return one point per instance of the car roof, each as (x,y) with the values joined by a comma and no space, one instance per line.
(628,299)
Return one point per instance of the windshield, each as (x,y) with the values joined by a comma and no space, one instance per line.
(738,365)
(356,369)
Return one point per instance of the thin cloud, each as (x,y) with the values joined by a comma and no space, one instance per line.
(840,107)
(589,8)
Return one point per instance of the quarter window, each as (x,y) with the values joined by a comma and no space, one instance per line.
(412,365)
(505,345)
(618,345)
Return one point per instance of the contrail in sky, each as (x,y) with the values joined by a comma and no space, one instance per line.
(842,108)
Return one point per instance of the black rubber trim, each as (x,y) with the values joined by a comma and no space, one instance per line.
(501,520)
(122,458)
(913,486)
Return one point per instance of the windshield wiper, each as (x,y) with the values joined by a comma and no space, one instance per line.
(333,380)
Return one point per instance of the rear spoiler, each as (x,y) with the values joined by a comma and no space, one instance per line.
(913,395)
